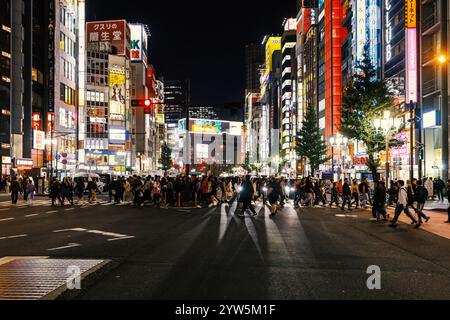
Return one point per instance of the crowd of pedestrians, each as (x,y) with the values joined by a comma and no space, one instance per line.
(209,191)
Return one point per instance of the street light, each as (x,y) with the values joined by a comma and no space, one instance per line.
(442,59)
(338,141)
(387,126)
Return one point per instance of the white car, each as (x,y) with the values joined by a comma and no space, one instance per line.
(86,176)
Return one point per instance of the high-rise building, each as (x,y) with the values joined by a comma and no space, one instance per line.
(5,86)
(287,111)
(41,51)
(143,119)
(254,58)
(175,101)
(270,103)
(107,139)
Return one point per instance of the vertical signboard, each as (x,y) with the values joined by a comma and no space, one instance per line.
(388,30)
(138,47)
(411,50)
(51,57)
(360,28)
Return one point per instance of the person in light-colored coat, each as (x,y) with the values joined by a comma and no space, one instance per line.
(430,187)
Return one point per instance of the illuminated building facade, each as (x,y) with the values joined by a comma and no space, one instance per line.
(107,138)
(287,111)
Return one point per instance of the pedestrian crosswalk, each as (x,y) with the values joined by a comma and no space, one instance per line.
(48,203)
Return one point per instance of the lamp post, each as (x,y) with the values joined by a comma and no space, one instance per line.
(340,142)
(443,62)
(387,126)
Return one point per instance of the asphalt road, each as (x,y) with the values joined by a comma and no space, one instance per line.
(212,254)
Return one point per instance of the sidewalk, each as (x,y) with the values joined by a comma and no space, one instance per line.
(437,206)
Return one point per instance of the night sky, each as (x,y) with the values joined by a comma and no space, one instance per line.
(200,40)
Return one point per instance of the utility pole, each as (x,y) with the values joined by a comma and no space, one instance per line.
(187,138)
(444,91)
(412,109)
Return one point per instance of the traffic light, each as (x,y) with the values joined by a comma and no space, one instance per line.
(145,103)
(421,154)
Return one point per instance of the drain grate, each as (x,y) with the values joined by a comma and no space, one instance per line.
(40,278)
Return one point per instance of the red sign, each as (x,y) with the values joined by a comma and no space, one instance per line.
(361,161)
(115,32)
(36,121)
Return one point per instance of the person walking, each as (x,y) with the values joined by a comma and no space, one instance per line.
(402,203)
(440,189)
(246,196)
(421,198)
(334,195)
(273,193)
(355,193)
(430,188)
(346,196)
(55,192)
(29,189)
(379,201)
(80,191)
(365,192)
(15,190)
(92,189)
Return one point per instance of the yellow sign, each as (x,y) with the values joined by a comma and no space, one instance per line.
(161,118)
(411,14)
(273,44)
(204,129)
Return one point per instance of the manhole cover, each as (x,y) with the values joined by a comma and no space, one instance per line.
(40,278)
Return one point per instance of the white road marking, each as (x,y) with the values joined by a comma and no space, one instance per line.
(31,215)
(70,245)
(6,209)
(69,209)
(108,234)
(114,236)
(73,229)
(346,216)
(54,211)
(6,219)
(123,238)
(14,237)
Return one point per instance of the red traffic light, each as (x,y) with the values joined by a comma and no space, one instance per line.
(142,103)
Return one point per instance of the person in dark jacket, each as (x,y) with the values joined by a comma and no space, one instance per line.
(346,196)
(15,189)
(55,192)
(246,196)
(80,190)
(379,201)
(421,198)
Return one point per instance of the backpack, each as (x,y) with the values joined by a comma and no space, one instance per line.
(422,194)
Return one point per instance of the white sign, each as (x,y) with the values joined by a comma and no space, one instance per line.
(117,135)
(38,140)
(430,119)
(388,46)
(138,48)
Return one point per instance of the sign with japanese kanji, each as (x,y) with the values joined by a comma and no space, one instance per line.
(115,32)
(411,14)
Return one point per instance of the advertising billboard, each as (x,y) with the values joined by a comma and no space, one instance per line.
(115,32)
(138,46)
(273,44)
(38,140)
(117,135)
(117,94)
(411,50)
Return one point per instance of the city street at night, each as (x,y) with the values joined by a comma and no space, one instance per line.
(308,253)
(231,159)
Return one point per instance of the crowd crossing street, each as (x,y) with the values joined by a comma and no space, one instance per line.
(249,238)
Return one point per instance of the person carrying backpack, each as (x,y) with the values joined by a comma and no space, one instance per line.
(421,198)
